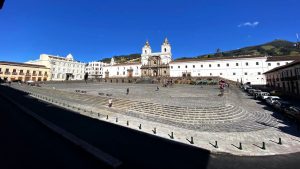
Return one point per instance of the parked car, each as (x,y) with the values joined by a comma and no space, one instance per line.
(246,87)
(255,92)
(262,95)
(293,112)
(281,105)
(270,100)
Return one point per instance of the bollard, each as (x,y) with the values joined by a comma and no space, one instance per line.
(192,140)
(240,147)
(140,126)
(216,144)
(172,135)
(107,117)
(263,145)
(279,142)
(154,130)
(127,123)
(116,119)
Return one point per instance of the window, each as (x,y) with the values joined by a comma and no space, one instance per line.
(248,63)
(233,73)
(201,65)
(178,67)
(257,63)
(278,64)
(165,72)
(227,64)
(144,72)
(236,64)
(165,49)
(209,65)
(146,51)
(218,65)
(117,73)
(198,74)
(193,66)
(269,64)
(258,73)
(6,70)
(185,66)
(210,74)
(221,73)
(154,62)
(245,73)
(171,67)
(123,73)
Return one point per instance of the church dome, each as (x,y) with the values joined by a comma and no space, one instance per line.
(69,57)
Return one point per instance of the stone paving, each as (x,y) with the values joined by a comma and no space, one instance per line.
(230,119)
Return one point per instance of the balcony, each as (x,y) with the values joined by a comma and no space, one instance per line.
(7,73)
(28,74)
(40,74)
(21,73)
(34,74)
(46,75)
(14,73)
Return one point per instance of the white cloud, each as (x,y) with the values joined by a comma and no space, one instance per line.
(253,24)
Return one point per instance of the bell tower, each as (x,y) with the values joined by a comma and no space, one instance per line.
(146,52)
(166,55)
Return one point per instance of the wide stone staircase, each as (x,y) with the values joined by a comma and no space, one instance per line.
(217,118)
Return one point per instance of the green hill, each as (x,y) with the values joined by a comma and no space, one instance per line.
(274,48)
(124,58)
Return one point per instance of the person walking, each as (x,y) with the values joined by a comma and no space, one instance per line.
(110,102)
(127,91)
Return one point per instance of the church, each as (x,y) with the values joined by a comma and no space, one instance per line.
(156,64)
(153,64)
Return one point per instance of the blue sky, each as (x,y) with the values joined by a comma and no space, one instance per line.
(94,29)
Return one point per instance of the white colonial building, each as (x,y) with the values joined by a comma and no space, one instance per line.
(114,70)
(240,69)
(95,69)
(62,68)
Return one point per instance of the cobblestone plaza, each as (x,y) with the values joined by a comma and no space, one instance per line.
(181,112)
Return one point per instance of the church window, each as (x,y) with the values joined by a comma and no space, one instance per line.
(209,65)
(146,51)
(171,67)
(178,67)
(237,64)
(247,63)
(233,73)
(165,49)
(245,73)
(257,63)
(123,73)
(227,64)
(221,73)
(155,62)
(201,65)
(193,66)
(165,72)
(117,73)
(198,74)
(185,66)
(258,73)
(210,74)
(218,65)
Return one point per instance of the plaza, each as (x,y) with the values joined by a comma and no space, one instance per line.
(191,114)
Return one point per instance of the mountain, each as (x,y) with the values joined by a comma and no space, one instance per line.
(131,58)
(274,48)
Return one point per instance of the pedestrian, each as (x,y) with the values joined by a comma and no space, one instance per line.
(110,102)
(157,88)
(127,91)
